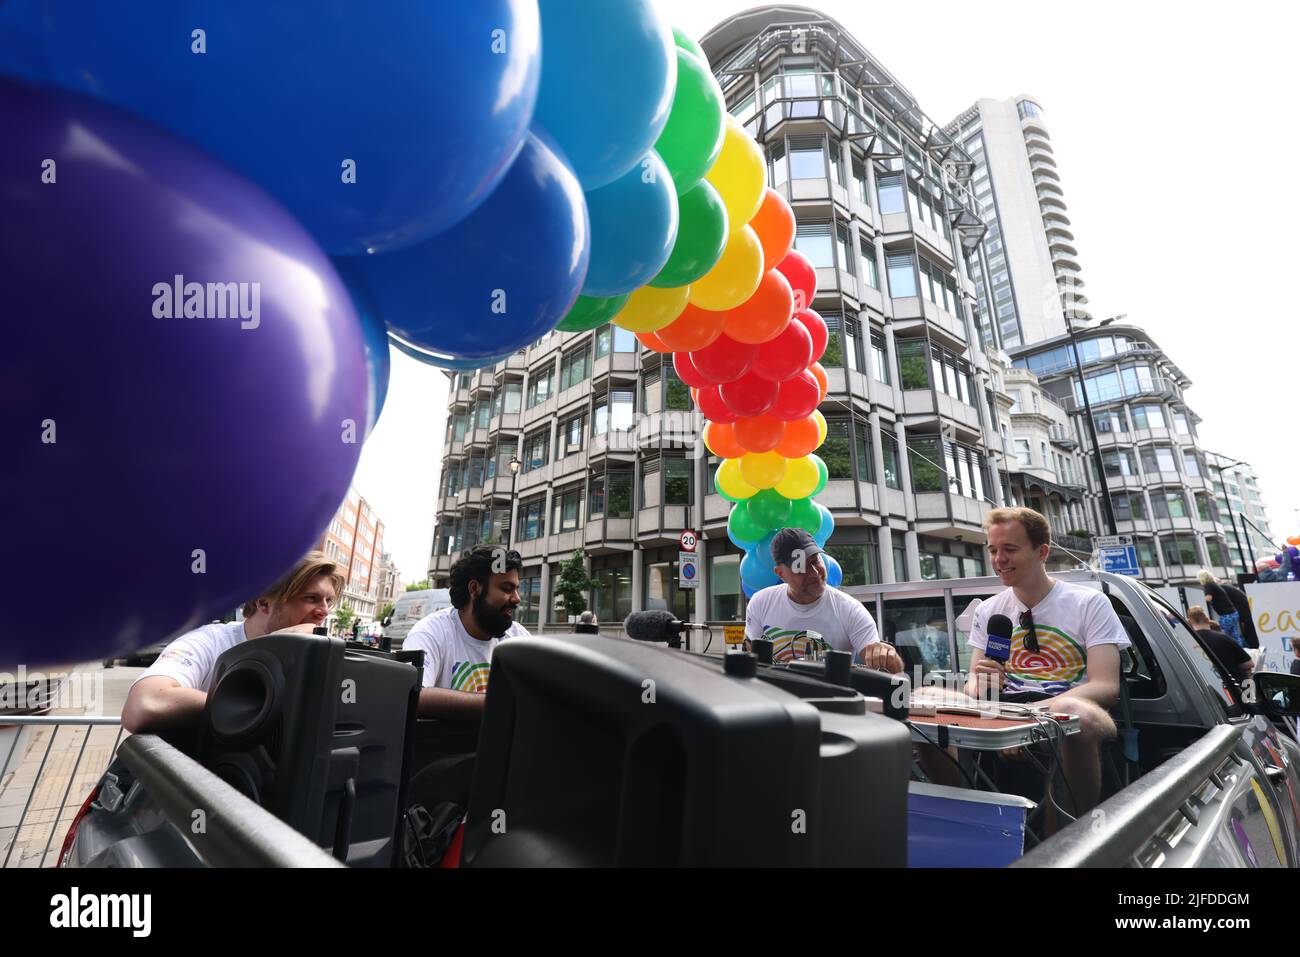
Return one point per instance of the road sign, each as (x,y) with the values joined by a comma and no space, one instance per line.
(1121,560)
(688,570)
(1112,541)
(734,634)
(689,541)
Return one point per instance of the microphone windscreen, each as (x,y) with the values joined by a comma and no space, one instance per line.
(998,638)
(649,625)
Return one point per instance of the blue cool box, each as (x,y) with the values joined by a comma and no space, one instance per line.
(958,827)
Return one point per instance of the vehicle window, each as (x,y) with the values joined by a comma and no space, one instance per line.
(918,628)
(1209,669)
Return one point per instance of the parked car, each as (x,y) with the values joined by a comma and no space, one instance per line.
(410,608)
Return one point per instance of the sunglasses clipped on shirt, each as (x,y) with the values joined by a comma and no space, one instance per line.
(1031,638)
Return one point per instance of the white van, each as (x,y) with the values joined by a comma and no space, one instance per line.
(410,608)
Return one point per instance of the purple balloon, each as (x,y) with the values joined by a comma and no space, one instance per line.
(160,469)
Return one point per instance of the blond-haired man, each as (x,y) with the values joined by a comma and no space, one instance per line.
(1065,644)
(172,693)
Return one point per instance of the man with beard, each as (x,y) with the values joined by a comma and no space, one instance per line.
(457,642)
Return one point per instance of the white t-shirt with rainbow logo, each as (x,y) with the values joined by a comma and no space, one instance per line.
(453,658)
(1067,622)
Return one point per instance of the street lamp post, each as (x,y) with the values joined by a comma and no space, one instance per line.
(1092,428)
(514,478)
(1232,517)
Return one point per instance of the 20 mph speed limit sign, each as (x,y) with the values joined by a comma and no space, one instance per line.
(689,541)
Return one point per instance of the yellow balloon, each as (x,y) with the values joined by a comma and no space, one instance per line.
(800,479)
(821,428)
(764,469)
(731,482)
(739,174)
(735,276)
(648,308)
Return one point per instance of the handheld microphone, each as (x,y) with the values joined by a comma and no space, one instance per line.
(656,625)
(998,633)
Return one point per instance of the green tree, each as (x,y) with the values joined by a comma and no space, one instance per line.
(386,611)
(419,586)
(343,618)
(572,583)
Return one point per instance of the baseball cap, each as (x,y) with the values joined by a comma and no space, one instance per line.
(791,542)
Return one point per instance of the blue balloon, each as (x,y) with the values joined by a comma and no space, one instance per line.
(377,126)
(755,573)
(22,42)
(749,592)
(495,282)
(742,545)
(834,574)
(378,363)
(438,362)
(828,526)
(633,227)
(608,79)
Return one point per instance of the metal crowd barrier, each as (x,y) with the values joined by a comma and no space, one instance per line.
(15,790)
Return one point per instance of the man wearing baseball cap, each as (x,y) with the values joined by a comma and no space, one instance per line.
(802,610)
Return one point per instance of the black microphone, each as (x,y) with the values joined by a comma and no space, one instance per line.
(655,625)
(998,635)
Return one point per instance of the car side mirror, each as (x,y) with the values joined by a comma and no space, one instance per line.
(387,621)
(1275,694)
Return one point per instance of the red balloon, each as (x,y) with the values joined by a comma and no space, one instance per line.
(712,406)
(785,356)
(687,372)
(726,360)
(761,434)
(816,327)
(803,278)
(774,224)
(764,315)
(750,396)
(796,398)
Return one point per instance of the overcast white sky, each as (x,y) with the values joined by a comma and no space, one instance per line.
(1173,129)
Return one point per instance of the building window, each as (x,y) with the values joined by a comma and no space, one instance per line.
(852,344)
(530,599)
(575,367)
(845,247)
(1148,417)
(889,451)
(1192,463)
(902,275)
(814,241)
(780,171)
(612,411)
(807,157)
(859,562)
(570,437)
(890,190)
(724,587)
(834,355)
(835,450)
(651,394)
(614,338)
(864,451)
(1206,509)
(662,593)
(677,394)
(535,449)
(923,459)
(860,181)
(879,360)
(951,375)
(1110,422)
(566,509)
(1158,458)
(611,595)
(1022,453)
(678,487)
(1180,424)
(869,272)
(912,372)
(1179,550)
(1119,462)
(532,518)
(540,385)
(1168,504)
(965,471)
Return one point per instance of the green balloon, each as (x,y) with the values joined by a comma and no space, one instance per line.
(769,509)
(701,237)
(822,476)
(686,43)
(804,514)
(692,140)
(591,311)
(742,527)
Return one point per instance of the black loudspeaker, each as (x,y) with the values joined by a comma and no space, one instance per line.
(610,753)
(318,734)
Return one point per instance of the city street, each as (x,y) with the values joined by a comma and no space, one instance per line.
(50,770)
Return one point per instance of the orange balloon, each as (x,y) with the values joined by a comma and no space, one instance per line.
(802,436)
(774,223)
(765,314)
(820,375)
(651,341)
(695,395)
(694,329)
(720,439)
(760,433)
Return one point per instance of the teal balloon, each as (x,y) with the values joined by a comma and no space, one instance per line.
(804,514)
(769,509)
(686,43)
(823,534)
(822,474)
(634,222)
(591,312)
(740,527)
(692,140)
(701,237)
(756,574)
